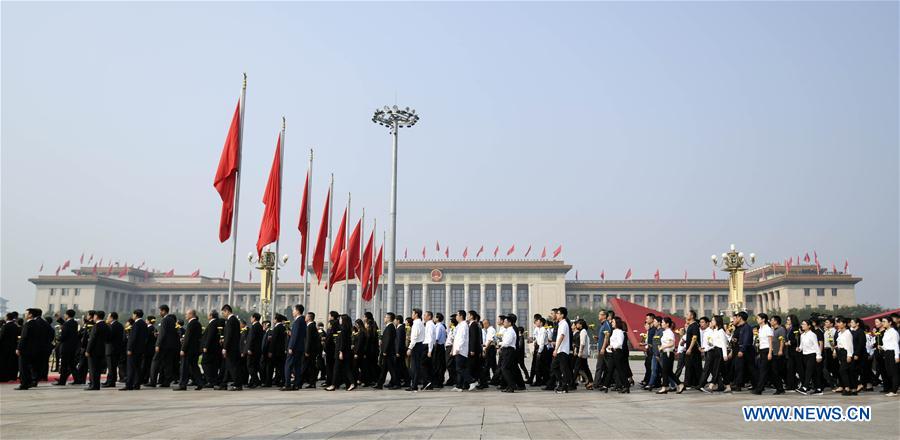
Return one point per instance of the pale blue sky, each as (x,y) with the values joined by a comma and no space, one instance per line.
(619,130)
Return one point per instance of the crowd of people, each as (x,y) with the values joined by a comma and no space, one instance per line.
(465,352)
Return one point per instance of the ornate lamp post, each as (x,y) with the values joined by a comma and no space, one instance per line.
(266,265)
(394,118)
(734,263)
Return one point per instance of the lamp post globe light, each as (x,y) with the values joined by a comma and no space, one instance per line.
(394,118)
(735,264)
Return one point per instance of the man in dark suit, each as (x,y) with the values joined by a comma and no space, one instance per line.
(388,354)
(96,350)
(311,351)
(28,348)
(48,335)
(212,350)
(265,373)
(68,346)
(475,344)
(165,351)
(84,333)
(9,336)
(275,350)
(400,351)
(114,347)
(294,362)
(134,351)
(231,350)
(253,349)
(190,352)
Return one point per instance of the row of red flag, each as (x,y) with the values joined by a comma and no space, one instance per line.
(465,252)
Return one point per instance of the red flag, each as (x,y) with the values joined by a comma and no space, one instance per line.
(91,259)
(65,265)
(846,265)
(303,226)
(437,246)
(791,260)
(557,251)
(423,252)
(337,248)
(656,275)
(271,221)
(480,251)
(109,269)
(81,260)
(806,258)
(602,274)
(57,270)
(818,269)
(528,251)
(170,273)
(101,261)
(318,262)
(447,251)
(628,274)
(95,269)
(124,271)
(815,255)
(496,249)
(195,273)
(226,173)
(339,272)
(466,252)
(366,271)
(379,264)
(405,253)
(544,252)
(510,250)
(353,244)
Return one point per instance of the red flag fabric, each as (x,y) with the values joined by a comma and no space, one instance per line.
(447,251)
(379,264)
(602,274)
(303,226)
(95,269)
(318,262)
(339,272)
(437,246)
(66,265)
(170,273)
(656,275)
(423,252)
(124,271)
(846,265)
(815,255)
(480,251)
(195,273)
(510,250)
(544,252)
(353,244)
(226,173)
(366,270)
(466,252)
(496,249)
(271,221)
(81,260)
(57,270)
(791,260)
(628,274)
(806,258)
(818,268)
(337,248)
(101,261)
(557,251)
(527,251)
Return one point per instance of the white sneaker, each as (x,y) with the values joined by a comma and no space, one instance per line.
(891,394)
(472,386)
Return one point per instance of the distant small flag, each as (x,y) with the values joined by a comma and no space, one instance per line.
(42,268)
(846,265)
(466,252)
(423,252)
(195,273)
(223,274)
(91,259)
(510,250)
(528,251)
(714,274)
(57,270)
(557,251)
(576,275)
(628,274)
(405,253)
(437,246)
(544,252)
(496,250)
(250,276)
(480,251)
(124,272)
(65,265)
(101,261)
(806,258)
(685,275)
(833,268)
(656,275)
(109,270)
(170,273)
(603,275)
(94,271)
(81,260)
(447,251)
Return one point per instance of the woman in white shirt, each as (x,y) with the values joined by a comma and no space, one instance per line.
(812,359)
(717,352)
(890,353)
(582,370)
(667,356)
(617,349)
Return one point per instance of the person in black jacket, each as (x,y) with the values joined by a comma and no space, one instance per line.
(312,351)
(330,330)
(212,351)
(9,335)
(400,351)
(264,361)
(135,351)
(165,350)
(48,335)
(68,346)
(475,344)
(190,352)
(343,356)
(294,360)
(388,354)
(29,347)
(858,366)
(96,350)
(114,347)
(253,350)
(231,350)
(149,350)
(84,333)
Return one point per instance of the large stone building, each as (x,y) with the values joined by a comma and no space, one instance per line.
(492,287)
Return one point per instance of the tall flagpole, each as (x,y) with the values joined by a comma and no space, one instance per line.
(330,263)
(362,233)
(277,237)
(237,195)
(308,212)
(347,249)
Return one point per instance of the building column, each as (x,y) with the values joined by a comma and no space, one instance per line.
(406,304)
(466,301)
(481,300)
(424,298)
(446,300)
(497,297)
(515,298)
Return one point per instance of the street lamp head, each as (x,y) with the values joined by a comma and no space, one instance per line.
(284,259)
(713,258)
(732,247)
(741,254)
(250,256)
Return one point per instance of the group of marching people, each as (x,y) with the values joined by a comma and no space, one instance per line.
(428,351)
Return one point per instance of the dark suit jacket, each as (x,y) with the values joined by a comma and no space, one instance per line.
(168,334)
(298,335)
(68,337)
(232,341)
(388,342)
(137,339)
(475,342)
(278,342)
(255,338)
(313,342)
(190,345)
(400,340)
(29,340)
(266,340)
(97,342)
(116,342)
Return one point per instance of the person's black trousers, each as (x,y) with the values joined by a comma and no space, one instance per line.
(451,368)
(439,365)
(67,366)
(462,369)
(692,368)
(763,363)
(415,365)
(507,364)
(233,365)
(133,371)
(252,361)
(891,374)
(563,370)
(96,366)
(112,361)
(25,371)
(211,364)
(190,367)
(810,376)
(848,380)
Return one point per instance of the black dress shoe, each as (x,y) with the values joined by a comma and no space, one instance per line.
(234,388)
(125,389)
(108,385)
(57,384)
(92,389)
(179,388)
(22,387)
(310,386)
(221,388)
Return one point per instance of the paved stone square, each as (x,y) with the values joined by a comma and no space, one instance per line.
(70,413)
